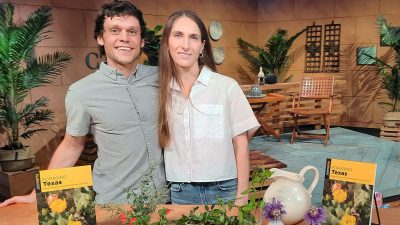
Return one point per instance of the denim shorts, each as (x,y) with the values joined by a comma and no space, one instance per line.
(203,193)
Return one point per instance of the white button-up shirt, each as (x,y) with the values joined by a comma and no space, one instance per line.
(202,128)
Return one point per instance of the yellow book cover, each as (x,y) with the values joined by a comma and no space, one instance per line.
(65,196)
(348,191)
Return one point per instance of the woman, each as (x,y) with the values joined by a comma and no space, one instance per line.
(205,121)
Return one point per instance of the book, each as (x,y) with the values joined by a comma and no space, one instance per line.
(65,196)
(348,191)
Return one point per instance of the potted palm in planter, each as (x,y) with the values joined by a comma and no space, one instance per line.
(390,36)
(20,72)
(272,58)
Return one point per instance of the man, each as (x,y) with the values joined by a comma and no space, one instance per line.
(118,104)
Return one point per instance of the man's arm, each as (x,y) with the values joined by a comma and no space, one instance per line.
(66,155)
(240,145)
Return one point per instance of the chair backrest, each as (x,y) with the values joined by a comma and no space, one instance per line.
(316,87)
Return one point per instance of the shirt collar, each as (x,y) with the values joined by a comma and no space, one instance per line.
(203,78)
(113,73)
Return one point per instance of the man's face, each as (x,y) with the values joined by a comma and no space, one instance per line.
(121,40)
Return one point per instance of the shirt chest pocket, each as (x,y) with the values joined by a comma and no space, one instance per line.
(208,121)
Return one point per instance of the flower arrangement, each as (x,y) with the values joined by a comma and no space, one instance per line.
(347,203)
(71,207)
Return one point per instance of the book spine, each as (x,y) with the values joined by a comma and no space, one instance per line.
(327,168)
(37,186)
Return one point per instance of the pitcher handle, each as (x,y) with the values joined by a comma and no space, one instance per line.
(316,177)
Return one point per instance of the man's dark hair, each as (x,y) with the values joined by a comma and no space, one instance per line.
(117,8)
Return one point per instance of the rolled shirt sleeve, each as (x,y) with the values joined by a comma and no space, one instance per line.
(241,115)
(78,119)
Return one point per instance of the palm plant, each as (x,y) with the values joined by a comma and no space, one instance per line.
(21,71)
(390,36)
(273,57)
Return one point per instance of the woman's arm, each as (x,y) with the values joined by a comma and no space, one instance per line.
(240,145)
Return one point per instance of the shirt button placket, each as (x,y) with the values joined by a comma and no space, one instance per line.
(186,125)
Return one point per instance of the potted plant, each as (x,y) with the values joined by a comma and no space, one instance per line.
(273,57)
(20,72)
(390,36)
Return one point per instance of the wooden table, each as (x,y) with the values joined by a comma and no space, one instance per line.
(264,108)
(26,214)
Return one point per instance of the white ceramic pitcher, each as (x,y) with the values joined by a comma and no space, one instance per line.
(288,188)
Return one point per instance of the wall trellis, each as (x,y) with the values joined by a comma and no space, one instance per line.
(313,48)
(331,54)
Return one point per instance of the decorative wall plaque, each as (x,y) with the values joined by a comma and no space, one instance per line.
(215,30)
(331,53)
(362,55)
(313,48)
(219,55)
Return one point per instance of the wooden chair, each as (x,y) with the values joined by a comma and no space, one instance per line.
(317,88)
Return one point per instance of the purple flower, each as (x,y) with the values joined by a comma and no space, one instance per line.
(273,211)
(315,216)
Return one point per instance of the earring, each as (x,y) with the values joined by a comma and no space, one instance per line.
(201,55)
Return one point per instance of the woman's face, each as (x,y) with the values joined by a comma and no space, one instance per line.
(184,43)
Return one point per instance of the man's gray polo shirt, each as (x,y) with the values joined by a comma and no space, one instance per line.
(121,114)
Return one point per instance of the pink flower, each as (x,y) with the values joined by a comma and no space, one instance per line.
(132,221)
(51,198)
(336,186)
(122,218)
(168,211)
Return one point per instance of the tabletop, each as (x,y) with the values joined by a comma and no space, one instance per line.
(270,97)
(26,214)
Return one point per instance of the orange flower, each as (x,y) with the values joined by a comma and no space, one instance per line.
(348,220)
(339,195)
(58,205)
(74,223)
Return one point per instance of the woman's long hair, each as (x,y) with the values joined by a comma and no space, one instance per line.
(168,72)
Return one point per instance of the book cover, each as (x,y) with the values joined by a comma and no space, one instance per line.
(65,196)
(348,192)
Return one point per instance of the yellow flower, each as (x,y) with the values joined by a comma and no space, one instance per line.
(74,223)
(58,205)
(348,220)
(339,195)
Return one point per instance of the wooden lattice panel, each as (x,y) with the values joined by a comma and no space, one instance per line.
(331,55)
(313,49)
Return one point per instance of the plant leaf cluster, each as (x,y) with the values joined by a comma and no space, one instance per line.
(390,36)
(21,71)
(152,45)
(272,57)
(144,203)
